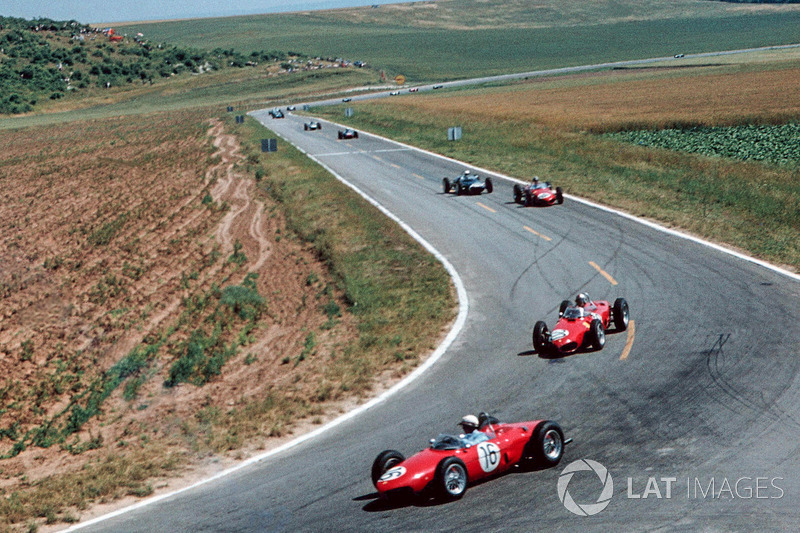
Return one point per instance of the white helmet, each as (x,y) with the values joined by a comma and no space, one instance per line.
(469,421)
(468,171)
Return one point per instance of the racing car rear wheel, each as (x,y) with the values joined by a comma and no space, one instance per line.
(541,338)
(559,195)
(385,460)
(446,185)
(305,127)
(451,478)
(597,334)
(489,185)
(546,446)
(621,314)
(517,193)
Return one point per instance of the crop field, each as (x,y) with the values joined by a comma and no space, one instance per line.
(165,309)
(550,128)
(460,39)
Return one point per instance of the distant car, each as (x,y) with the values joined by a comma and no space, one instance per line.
(346,99)
(678,56)
(394,93)
(450,463)
(276,113)
(468,183)
(291,108)
(312,125)
(582,325)
(348,134)
(413,89)
(537,193)
(438,86)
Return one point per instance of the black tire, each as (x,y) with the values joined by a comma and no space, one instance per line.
(517,193)
(319,127)
(563,307)
(621,314)
(597,334)
(446,185)
(305,127)
(546,446)
(340,135)
(559,195)
(451,478)
(541,338)
(489,185)
(355,135)
(529,199)
(386,459)
(459,190)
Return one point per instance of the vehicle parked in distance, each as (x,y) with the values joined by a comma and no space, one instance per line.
(452,462)
(348,134)
(580,325)
(467,183)
(312,125)
(537,193)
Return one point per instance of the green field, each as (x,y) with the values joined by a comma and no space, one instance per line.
(425,53)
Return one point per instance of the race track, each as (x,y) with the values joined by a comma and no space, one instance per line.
(704,388)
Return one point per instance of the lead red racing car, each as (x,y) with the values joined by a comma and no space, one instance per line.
(537,193)
(452,462)
(582,325)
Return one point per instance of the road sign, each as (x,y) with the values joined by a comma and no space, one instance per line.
(399,79)
(454,134)
(269,145)
(348,112)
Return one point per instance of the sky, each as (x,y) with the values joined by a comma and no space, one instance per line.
(95,11)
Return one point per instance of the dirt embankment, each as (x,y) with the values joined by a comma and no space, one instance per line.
(106,241)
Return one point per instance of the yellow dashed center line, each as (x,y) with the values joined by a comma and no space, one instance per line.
(376,158)
(487,207)
(629,343)
(537,233)
(395,166)
(418,176)
(603,273)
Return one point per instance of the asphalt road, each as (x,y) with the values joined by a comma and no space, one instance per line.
(705,402)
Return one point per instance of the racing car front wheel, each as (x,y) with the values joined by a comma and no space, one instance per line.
(451,478)
(489,185)
(386,460)
(541,338)
(546,445)
(446,185)
(598,334)
(621,314)
(517,193)
(559,195)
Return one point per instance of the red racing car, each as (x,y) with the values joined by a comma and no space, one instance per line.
(537,193)
(582,325)
(451,462)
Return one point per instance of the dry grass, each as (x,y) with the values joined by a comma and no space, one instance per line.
(617,100)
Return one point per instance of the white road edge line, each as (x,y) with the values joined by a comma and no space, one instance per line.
(463,309)
(648,223)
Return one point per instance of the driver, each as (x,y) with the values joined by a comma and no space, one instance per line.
(535,182)
(582,299)
(471,436)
